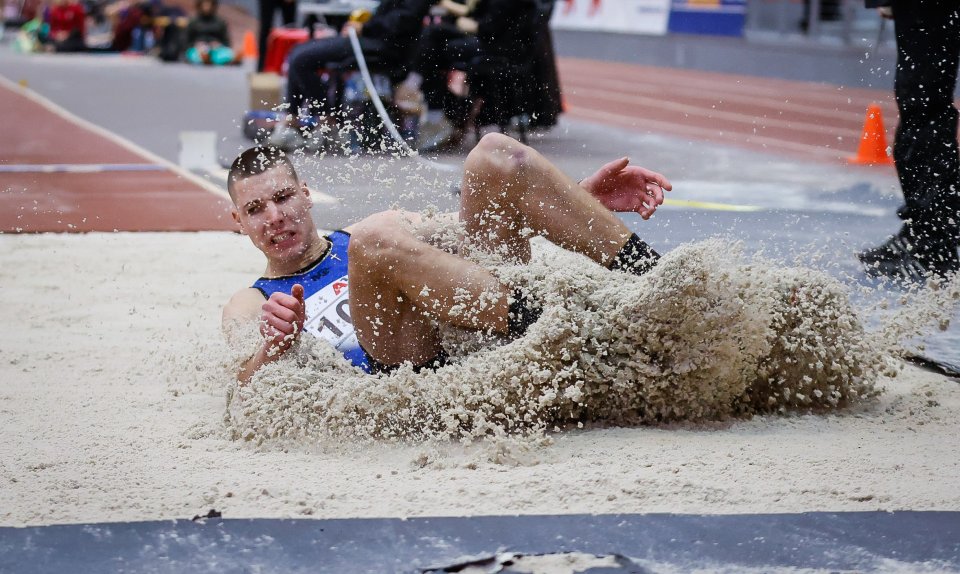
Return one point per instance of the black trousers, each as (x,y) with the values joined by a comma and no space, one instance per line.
(925,148)
(73,43)
(441,48)
(288,12)
(306,86)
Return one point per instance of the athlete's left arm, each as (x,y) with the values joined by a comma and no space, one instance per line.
(280,319)
(622,187)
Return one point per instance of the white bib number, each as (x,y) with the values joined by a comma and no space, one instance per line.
(328,315)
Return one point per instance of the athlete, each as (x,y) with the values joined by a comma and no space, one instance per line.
(376,291)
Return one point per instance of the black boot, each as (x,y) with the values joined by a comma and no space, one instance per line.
(905,256)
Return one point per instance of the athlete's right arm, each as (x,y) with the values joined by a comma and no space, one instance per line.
(280,317)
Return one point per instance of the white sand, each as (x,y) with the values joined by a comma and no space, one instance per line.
(108,412)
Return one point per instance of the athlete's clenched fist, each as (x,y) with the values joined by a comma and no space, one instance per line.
(281,319)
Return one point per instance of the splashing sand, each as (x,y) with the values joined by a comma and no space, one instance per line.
(707,335)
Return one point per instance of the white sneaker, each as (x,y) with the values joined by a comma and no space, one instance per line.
(439,135)
(409,100)
(287,138)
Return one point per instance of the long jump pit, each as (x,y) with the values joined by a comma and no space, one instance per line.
(720,414)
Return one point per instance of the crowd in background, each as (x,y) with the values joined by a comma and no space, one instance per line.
(170,31)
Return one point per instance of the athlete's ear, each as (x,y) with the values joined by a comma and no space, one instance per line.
(306,190)
(236,218)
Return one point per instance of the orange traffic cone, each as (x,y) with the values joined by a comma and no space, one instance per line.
(249,46)
(873,142)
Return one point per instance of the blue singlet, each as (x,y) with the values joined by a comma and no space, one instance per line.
(326,295)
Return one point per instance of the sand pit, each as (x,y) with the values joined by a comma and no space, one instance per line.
(112,410)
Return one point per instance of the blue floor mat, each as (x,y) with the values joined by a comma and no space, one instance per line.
(849,541)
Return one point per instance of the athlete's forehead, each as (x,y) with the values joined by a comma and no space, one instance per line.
(264,185)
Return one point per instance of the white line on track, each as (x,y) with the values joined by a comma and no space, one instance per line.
(115,138)
(710,205)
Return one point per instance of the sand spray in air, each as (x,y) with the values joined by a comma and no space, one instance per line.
(709,334)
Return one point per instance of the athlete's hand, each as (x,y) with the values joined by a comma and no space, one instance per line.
(281,320)
(623,187)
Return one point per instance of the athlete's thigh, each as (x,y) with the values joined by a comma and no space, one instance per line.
(389,325)
(391,328)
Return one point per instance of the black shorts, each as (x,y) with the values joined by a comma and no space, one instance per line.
(377,368)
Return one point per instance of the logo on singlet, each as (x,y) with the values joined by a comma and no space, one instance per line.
(328,315)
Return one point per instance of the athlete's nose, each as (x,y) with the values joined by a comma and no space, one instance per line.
(272,211)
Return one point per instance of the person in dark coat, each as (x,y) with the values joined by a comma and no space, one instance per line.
(548,103)
(478,34)
(925,149)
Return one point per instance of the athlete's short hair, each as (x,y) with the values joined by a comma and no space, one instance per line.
(255,161)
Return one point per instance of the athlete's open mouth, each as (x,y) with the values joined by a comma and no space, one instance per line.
(281,237)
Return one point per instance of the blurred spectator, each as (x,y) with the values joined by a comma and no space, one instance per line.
(132,21)
(170,30)
(479,33)
(449,44)
(387,38)
(16,13)
(67,22)
(925,148)
(207,37)
(95,11)
(268,8)
(28,38)
(829,12)
(547,105)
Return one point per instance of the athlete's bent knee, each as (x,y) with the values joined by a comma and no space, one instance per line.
(499,156)
(379,238)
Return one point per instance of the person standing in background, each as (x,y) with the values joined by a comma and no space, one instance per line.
(925,149)
(288,13)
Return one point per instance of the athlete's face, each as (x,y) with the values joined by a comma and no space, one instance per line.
(273,210)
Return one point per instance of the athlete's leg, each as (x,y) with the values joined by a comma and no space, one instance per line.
(511,192)
(399,283)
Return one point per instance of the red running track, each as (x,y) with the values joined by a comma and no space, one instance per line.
(92,182)
(807,120)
